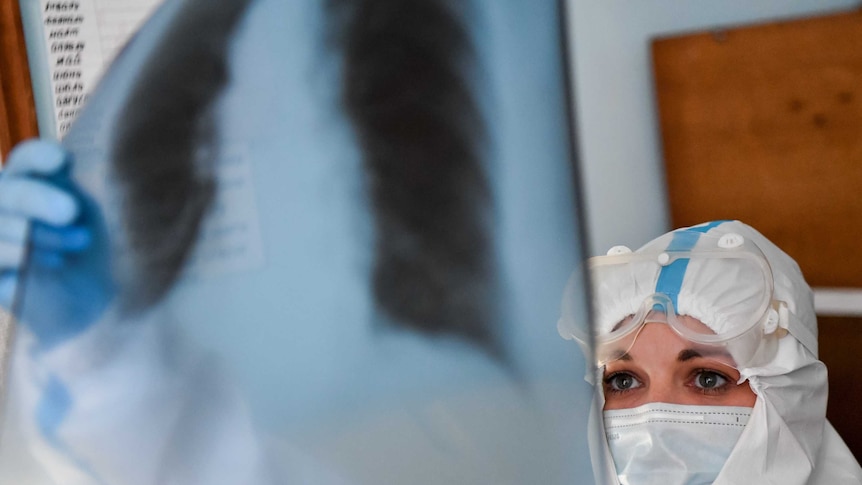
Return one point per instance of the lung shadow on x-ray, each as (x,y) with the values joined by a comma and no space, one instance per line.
(164,153)
(405,91)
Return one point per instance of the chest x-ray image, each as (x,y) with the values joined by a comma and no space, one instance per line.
(291,241)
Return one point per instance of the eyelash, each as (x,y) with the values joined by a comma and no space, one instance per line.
(608,387)
(692,382)
(710,390)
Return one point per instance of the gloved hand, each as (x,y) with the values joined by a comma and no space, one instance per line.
(61,283)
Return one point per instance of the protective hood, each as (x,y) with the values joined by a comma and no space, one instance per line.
(787,439)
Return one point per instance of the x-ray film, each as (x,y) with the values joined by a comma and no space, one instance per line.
(330,240)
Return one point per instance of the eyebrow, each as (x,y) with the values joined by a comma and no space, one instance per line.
(684,355)
(620,355)
(688,354)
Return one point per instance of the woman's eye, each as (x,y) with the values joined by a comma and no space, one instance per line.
(622,382)
(709,380)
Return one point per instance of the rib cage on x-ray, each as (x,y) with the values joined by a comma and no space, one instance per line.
(405,89)
(362,215)
(165,148)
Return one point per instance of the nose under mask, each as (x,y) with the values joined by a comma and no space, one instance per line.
(672,444)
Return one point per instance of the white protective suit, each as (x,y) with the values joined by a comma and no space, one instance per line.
(787,439)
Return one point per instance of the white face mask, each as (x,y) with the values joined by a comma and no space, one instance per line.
(672,444)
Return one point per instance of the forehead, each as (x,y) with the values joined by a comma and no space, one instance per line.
(657,342)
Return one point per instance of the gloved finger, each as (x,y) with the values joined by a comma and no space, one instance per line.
(36,157)
(13,229)
(11,255)
(37,199)
(68,239)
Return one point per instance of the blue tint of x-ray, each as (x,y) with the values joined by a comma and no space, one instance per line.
(276,294)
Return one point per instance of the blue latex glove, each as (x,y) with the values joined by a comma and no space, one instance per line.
(63,283)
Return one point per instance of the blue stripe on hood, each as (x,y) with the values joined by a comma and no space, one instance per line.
(670,278)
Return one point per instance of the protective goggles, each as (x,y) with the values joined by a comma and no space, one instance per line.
(715,292)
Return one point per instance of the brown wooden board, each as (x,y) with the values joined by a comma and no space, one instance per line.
(764,124)
(840,344)
(17,109)
(5,135)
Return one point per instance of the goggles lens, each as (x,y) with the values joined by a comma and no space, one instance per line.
(715,299)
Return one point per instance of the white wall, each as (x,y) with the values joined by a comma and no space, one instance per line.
(618,134)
